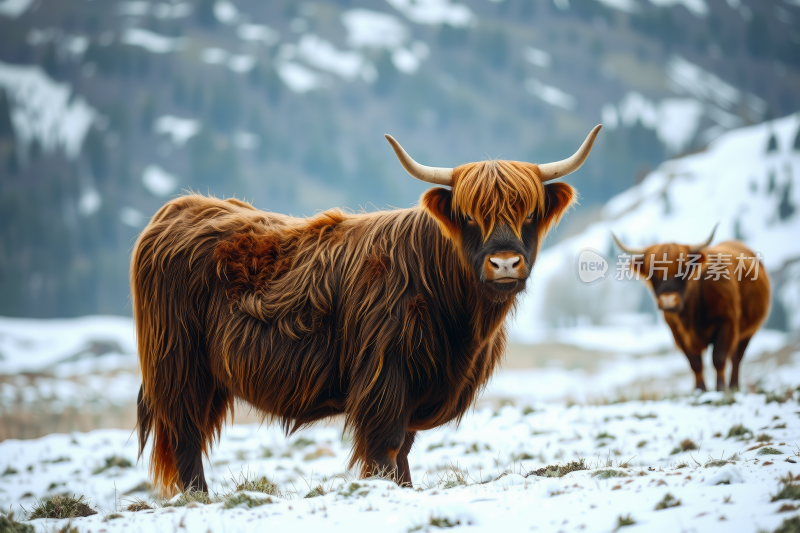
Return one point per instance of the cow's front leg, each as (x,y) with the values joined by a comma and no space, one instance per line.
(403,469)
(696,362)
(383,445)
(724,342)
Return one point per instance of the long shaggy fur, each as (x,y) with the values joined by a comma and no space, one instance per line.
(375,316)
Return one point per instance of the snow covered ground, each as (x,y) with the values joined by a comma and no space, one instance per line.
(477,475)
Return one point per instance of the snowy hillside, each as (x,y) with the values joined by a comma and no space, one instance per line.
(747,180)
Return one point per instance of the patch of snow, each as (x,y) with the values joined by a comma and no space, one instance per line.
(698,8)
(297,77)
(226,12)
(158,181)
(538,57)
(627,6)
(322,55)
(76,45)
(179,129)
(152,42)
(258,33)
(132,217)
(727,475)
(14,8)
(435,12)
(137,8)
(244,140)
(89,202)
(172,11)
(165,10)
(214,56)
(45,110)
(35,345)
(676,120)
(366,28)
(551,95)
(405,60)
(702,84)
(242,63)
(509,480)
(609,116)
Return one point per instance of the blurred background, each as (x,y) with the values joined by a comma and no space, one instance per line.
(108,109)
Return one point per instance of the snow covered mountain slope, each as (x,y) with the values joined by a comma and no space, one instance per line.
(746,180)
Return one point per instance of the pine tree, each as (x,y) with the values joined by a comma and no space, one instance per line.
(6,128)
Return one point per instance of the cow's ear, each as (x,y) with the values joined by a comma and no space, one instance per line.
(558,198)
(438,203)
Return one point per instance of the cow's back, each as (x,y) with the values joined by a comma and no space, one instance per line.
(750,283)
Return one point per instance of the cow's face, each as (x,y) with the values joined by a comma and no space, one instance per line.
(497,212)
(671,267)
(497,215)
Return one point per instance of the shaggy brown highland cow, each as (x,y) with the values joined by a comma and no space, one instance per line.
(712,303)
(394,318)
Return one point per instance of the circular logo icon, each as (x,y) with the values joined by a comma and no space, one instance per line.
(590,266)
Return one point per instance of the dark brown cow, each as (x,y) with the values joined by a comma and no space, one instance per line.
(393,319)
(723,300)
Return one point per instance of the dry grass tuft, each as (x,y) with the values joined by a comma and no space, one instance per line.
(768,451)
(436,521)
(9,525)
(315,492)
(608,473)
(137,505)
(61,506)
(559,470)
(244,501)
(111,462)
(686,445)
(623,521)
(738,431)
(790,525)
(668,501)
(789,490)
(185,498)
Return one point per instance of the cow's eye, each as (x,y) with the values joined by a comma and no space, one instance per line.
(529,217)
(469,218)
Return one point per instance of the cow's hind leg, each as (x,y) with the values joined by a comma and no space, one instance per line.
(724,342)
(736,359)
(188,451)
(194,435)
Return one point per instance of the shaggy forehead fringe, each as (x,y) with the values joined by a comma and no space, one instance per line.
(497,192)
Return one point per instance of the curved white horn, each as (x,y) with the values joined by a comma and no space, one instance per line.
(437,175)
(699,246)
(559,169)
(630,250)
